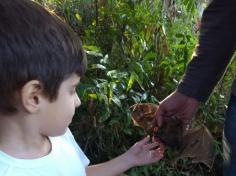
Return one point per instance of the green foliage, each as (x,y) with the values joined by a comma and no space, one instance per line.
(137,52)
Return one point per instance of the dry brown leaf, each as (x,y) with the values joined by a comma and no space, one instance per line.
(198,145)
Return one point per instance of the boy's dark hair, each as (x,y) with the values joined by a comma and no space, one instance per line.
(35,45)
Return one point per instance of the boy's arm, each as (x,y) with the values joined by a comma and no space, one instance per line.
(113,167)
(141,153)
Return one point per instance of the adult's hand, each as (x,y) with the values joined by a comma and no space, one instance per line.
(179,105)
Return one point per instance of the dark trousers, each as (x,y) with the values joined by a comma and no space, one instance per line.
(229,139)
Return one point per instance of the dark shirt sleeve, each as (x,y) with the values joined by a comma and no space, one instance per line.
(217,42)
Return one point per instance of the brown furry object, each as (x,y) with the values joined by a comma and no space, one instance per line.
(196,143)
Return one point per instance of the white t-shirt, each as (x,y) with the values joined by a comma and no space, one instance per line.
(65,159)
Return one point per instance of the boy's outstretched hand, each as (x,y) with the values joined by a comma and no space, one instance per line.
(142,153)
(145,152)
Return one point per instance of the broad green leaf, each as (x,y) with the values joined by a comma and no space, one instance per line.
(104,60)
(150,56)
(116,74)
(103,98)
(104,115)
(93,53)
(92,48)
(127,131)
(144,96)
(98,66)
(134,77)
(110,92)
(116,100)
(130,82)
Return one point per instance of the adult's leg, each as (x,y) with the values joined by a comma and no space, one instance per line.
(229,139)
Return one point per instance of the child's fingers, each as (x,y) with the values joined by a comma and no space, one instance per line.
(151,145)
(155,145)
(144,141)
(156,139)
(157,154)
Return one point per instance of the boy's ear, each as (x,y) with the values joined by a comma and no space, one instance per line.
(31,94)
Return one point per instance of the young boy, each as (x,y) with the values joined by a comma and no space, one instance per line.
(41,61)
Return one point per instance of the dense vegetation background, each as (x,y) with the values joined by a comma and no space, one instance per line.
(137,52)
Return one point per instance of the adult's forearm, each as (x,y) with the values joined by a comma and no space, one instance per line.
(216,47)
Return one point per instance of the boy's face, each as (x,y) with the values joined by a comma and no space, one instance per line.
(56,116)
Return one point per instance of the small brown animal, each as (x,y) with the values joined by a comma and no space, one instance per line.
(196,143)
(171,132)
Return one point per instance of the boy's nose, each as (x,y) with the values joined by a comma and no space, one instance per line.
(77,101)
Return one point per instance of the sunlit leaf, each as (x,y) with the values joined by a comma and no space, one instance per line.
(116,74)
(78,17)
(92,48)
(98,66)
(134,77)
(93,96)
(130,82)
(93,53)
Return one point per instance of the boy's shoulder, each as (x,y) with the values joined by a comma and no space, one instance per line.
(69,139)
(65,158)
